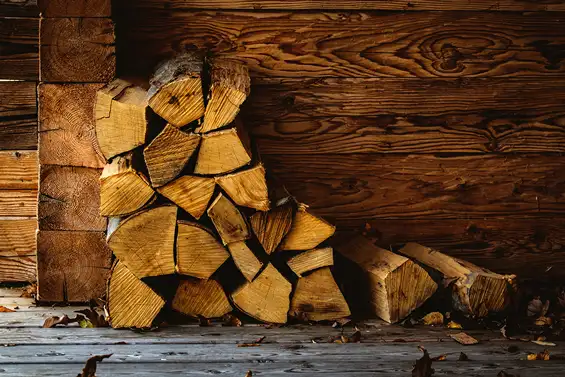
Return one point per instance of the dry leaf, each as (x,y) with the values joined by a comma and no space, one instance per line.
(341,322)
(463,338)
(93,318)
(542,343)
(539,356)
(249,374)
(255,343)
(454,325)
(89,369)
(232,320)
(30,291)
(64,320)
(537,308)
(354,338)
(4,309)
(440,358)
(423,366)
(433,319)
(463,357)
(543,321)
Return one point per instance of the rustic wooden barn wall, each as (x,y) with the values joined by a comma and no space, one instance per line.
(433,121)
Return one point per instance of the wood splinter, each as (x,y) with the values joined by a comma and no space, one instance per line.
(247,188)
(271,227)
(190,193)
(227,219)
(201,298)
(311,260)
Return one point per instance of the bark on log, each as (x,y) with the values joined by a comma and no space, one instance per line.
(190,193)
(227,219)
(201,298)
(247,188)
(271,227)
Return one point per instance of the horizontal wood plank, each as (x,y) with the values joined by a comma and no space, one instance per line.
(18,269)
(375,44)
(18,170)
(18,203)
(75,8)
(19,8)
(19,48)
(18,115)
(17,238)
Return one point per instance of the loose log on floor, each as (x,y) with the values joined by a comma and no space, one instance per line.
(230,86)
(245,260)
(131,302)
(397,285)
(190,193)
(123,190)
(476,291)
(144,243)
(247,188)
(318,298)
(266,298)
(204,298)
(121,117)
(271,227)
(227,219)
(221,152)
(307,231)
(176,90)
(168,154)
(311,260)
(199,253)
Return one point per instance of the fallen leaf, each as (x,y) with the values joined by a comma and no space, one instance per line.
(504,374)
(423,366)
(537,308)
(30,291)
(249,374)
(260,340)
(440,358)
(204,322)
(542,343)
(86,324)
(454,325)
(4,309)
(255,343)
(503,331)
(232,320)
(341,322)
(539,356)
(433,319)
(463,338)
(463,357)
(543,321)
(64,320)
(354,338)
(93,318)
(89,369)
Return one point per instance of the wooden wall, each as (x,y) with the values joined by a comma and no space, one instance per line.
(434,121)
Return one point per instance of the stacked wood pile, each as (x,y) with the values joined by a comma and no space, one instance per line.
(186,193)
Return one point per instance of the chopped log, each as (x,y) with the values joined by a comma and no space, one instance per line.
(190,193)
(131,302)
(311,260)
(199,254)
(271,227)
(476,291)
(176,90)
(245,260)
(247,188)
(123,190)
(318,298)
(227,219)
(397,285)
(307,231)
(201,298)
(144,243)
(221,152)
(266,298)
(121,117)
(230,86)
(168,154)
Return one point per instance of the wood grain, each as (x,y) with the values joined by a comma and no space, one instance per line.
(18,269)
(18,170)
(18,115)
(67,133)
(18,203)
(19,48)
(75,8)
(19,8)
(77,50)
(374,44)
(17,238)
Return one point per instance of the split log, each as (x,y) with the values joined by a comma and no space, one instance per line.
(266,298)
(121,117)
(247,188)
(245,260)
(201,298)
(227,219)
(131,302)
(176,90)
(123,190)
(311,260)
(476,291)
(199,254)
(190,193)
(307,231)
(271,227)
(144,243)
(221,152)
(230,86)
(168,154)
(397,285)
(318,298)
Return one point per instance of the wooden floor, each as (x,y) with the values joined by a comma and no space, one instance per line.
(385,350)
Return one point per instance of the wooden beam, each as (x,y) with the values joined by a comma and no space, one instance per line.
(18,170)
(17,238)
(75,8)
(18,115)
(18,203)
(19,48)
(23,8)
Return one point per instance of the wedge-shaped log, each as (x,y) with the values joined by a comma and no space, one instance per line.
(131,302)
(168,154)
(266,298)
(271,227)
(311,260)
(121,117)
(227,219)
(221,152)
(397,285)
(245,259)
(476,291)
(199,254)
(230,86)
(247,188)
(190,193)
(144,243)
(176,90)
(318,298)
(123,190)
(201,298)
(307,231)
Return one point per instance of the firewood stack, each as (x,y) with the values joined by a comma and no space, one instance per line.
(186,197)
